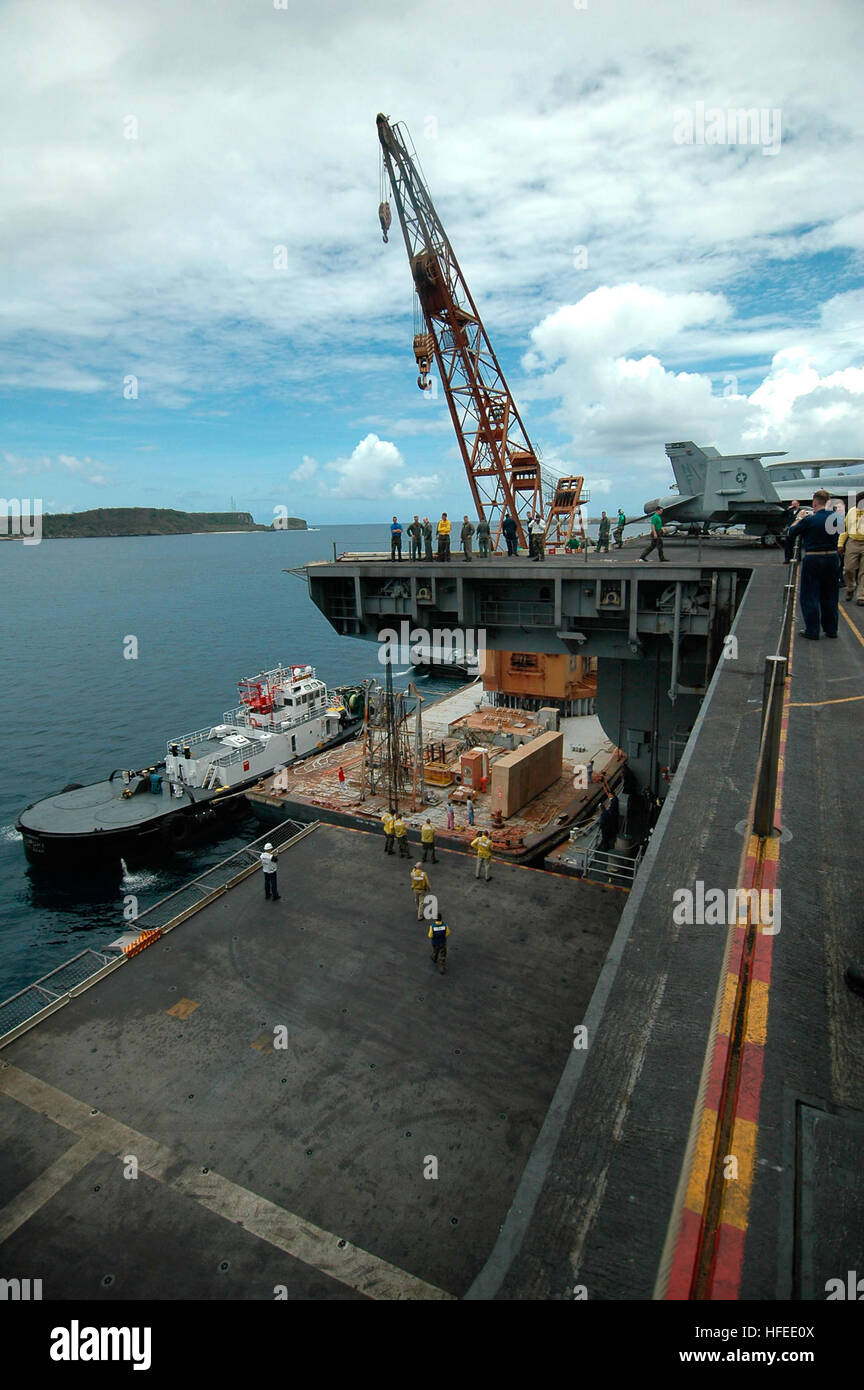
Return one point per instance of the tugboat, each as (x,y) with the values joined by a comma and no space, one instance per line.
(284,714)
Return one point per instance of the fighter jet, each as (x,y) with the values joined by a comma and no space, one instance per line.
(718,491)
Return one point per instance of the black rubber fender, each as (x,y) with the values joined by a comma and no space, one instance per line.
(176,830)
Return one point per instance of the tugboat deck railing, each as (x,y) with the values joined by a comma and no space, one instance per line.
(241,720)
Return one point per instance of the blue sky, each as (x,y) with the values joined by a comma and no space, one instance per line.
(155,160)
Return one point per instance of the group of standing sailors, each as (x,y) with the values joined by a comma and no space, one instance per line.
(420,537)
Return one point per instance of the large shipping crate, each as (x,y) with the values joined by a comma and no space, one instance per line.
(521,775)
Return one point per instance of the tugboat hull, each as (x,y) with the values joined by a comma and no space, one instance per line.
(286,715)
(149,831)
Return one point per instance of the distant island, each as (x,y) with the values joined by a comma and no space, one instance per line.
(151,521)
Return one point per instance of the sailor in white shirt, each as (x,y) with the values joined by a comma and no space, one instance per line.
(269,866)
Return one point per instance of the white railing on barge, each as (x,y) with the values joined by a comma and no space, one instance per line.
(586,856)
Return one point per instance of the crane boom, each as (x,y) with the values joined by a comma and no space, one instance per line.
(503,469)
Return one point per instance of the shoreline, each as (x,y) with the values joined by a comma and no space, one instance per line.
(139,535)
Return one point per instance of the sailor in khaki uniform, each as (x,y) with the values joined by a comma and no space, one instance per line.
(851,545)
(400,830)
(421,885)
(427,838)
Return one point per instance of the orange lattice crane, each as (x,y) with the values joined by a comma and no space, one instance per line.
(503,469)
(564,518)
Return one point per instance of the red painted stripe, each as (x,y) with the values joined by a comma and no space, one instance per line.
(736,954)
(762,957)
(750,1087)
(727,1268)
(716,1076)
(686,1246)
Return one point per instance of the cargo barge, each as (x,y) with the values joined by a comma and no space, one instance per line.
(496,769)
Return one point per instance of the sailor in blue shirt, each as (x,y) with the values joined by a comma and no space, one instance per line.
(438,934)
(820,567)
(395,540)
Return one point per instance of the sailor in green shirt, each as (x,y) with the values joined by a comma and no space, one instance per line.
(465,535)
(618,533)
(656,539)
(415,532)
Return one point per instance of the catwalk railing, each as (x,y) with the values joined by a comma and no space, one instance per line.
(773,692)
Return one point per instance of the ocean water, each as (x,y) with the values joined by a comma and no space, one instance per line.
(205,611)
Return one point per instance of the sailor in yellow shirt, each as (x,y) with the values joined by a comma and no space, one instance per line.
(387,822)
(400,830)
(421,885)
(483,846)
(427,837)
(443,538)
(851,544)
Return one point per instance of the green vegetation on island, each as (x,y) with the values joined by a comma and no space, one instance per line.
(155,521)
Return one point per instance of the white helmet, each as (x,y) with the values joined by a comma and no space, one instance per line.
(268,846)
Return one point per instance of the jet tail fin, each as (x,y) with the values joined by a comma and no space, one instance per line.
(724,482)
(690,466)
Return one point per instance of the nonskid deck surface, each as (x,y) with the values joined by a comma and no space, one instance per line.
(398,1118)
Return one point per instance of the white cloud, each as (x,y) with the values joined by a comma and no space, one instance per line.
(154,255)
(139,251)
(417,487)
(306,470)
(372,472)
(86,468)
(620,402)
(369,472)
(613,319)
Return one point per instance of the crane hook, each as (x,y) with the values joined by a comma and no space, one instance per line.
(385,217)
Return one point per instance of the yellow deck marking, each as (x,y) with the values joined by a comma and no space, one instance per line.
(817,704)
(183,1008)
(736,1192)
(757,1013)
(724,1022)
(303,1241)
(263,1043)
(844,614)
(701,1167)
